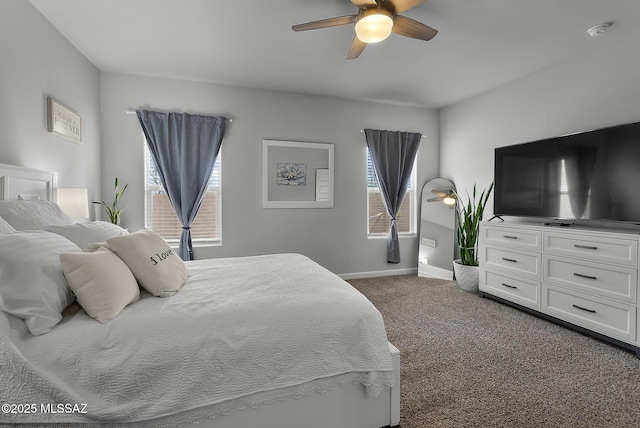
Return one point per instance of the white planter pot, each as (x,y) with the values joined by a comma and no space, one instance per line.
(467,277)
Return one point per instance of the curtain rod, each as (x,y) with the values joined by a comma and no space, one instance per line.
(362,131)
(131,111)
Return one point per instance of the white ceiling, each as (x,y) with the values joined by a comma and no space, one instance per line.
(481,44)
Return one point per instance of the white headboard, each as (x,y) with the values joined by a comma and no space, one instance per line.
(17,182)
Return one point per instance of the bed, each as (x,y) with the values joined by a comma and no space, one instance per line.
(262,341)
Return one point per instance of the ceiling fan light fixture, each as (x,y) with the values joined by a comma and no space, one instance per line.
(374,28)
(449,200)
(374,22)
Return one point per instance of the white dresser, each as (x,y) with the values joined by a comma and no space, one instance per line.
(582,278)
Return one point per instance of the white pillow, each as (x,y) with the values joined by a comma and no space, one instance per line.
(102,283)
(83,234)
(33,215)
(32,285)
(6,227)
(157,267)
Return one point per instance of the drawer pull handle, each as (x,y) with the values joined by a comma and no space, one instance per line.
(584,276)
(585,247)
(509,260)
(509,237)
(509,286)
(584,309)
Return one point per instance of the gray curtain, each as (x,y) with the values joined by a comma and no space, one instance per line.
(184,148)
(392,155)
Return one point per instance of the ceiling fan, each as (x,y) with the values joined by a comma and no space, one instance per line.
(449,197)
(374,22)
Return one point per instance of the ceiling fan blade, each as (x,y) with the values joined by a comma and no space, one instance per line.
(325,23)
(356,48)
(362,3)
(411,28)
(438,199)
(439,192)
(402,5)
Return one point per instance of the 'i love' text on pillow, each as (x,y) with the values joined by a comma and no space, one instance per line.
(157,268)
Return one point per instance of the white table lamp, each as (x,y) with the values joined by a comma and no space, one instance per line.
(74,202)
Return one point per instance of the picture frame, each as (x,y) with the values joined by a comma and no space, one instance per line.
(291,174)
(290,178)
(63,122)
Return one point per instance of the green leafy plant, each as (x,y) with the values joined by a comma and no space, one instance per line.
(469,218)
(113,210)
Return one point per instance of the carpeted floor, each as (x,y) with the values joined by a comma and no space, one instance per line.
(473,362)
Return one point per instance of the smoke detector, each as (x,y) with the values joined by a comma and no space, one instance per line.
(599,29)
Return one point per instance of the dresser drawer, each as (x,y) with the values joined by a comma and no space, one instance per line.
(507,260)
(615,282)
(612,319)
(525,239)
(599,248)
(517,290)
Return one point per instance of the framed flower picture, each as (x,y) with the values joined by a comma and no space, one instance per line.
(290,174)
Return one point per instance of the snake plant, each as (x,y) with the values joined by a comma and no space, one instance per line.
(114,211)
(469,218)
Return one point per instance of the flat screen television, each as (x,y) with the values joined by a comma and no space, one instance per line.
(591,176)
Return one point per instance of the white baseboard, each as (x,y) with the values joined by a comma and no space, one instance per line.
(378,273)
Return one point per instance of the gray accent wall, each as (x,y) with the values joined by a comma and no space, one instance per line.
(336,237)
(36,62)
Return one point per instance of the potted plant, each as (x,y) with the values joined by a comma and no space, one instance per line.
(114,211)
(469,217)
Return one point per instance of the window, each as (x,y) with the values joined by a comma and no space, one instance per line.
(378,219)
(161,217)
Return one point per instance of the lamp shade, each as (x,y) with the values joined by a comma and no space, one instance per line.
(374,28)
(74,202)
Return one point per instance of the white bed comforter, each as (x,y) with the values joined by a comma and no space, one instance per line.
(239,326)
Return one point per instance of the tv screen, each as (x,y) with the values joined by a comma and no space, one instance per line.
(592,175)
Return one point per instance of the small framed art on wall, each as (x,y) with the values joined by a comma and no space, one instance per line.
(63,122)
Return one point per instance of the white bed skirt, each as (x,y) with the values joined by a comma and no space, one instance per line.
(347,406)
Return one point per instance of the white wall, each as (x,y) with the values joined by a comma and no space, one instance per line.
(593,90)
(336,238)
(37,62)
